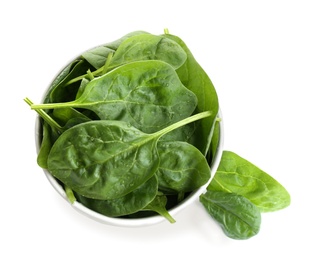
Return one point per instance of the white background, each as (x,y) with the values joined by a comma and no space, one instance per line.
(257,55)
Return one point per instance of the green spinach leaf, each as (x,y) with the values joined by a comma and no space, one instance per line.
(182,168)
(215,140)
(146,94)
(97,56)
(59,78)
(237,175)
(128,204)
(64,115)
(107,159)
(195,79)
(148,47)
(238,217)
(158,205)
(61,92)
(114,45)
(45,146)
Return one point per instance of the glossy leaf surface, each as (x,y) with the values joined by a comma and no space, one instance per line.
(103,159)
(182,168)
(238,217)
(97,56)
(107,159)
(149,47)
(128,204)
(158,205)
(236,174)
(146,94)
(193,76)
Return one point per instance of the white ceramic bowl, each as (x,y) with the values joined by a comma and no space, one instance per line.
(132,222)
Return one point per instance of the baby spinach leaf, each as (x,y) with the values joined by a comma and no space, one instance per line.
(146,94)
(51,130)
(46,144)
(82,87)
(103,159)
(128,204)
(236,174)
(182,168)
(195,79)
(107,159)
(62,92)
(114,45)
(148,47)
(59,78)
(213,146)
(97,56)
(64,115)
(238,217)
(159,206)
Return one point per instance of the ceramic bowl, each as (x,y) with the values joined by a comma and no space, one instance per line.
(132,222)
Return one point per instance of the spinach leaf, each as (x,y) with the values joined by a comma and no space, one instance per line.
(128,204)
(46,144)
(146,94)
(97,56)
(159,206)
(134,48)
(237,175)
(182,168)
(195,79)
(114,45)
(82,87)
(238,217)
(107,159)
(61,92)
(149,47)
(215,139)
(64,115)
(59,78)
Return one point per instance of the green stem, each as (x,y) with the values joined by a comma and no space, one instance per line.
(99,72)
(166,214)
(53,105)
(90,75)
(183,122)
(94,73)
(45,116)
(107,63)
(70,194)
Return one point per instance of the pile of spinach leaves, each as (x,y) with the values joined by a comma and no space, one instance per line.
(130,129)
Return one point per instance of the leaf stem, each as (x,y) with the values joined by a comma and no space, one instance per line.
(106,65)
(99,72)
(183,122)
(70,194)
(45,116)
(53,105)
(90,75)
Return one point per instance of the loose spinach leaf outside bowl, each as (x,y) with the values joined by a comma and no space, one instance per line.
(238,216)
(237,175)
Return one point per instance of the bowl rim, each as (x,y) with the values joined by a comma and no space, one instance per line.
(134,222)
